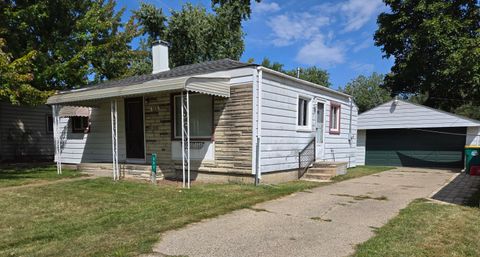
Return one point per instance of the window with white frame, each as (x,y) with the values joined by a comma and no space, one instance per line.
(303,112)
(335,118)
(201,116)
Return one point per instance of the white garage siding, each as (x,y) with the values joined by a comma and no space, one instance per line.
(408,115)
(281,141)
(473,136)
(95,146)
(361,144)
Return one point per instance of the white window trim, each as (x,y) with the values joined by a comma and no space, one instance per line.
(339,116)
(308,127)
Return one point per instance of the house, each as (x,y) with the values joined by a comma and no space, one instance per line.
(26,133)
(219,120)
(400,133)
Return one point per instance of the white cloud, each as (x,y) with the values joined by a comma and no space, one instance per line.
(298,26)
(364,44)
(265,7)
(365,68)
(318,52)
(358,12)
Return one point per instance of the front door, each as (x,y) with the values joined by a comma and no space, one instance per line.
(134,128)
(319,130)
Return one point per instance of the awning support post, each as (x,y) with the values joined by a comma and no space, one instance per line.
(185,138)
(114,119)
(57,137)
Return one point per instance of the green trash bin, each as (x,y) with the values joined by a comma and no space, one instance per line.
(472,157)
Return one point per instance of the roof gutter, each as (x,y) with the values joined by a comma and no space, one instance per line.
(301,81)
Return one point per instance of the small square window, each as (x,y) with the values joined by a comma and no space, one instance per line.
(80,125)
(303,112)
(335,118)
(49,125)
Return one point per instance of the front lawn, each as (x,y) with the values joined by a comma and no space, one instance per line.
(99,217)
(427,229)
(11,175)
(361,171)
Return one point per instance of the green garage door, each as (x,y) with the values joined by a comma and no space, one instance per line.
(435,147)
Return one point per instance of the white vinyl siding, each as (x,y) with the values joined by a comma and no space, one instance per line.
(95,146)
(281,140)
(361,143)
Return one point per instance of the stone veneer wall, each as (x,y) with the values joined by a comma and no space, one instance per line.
(232,133)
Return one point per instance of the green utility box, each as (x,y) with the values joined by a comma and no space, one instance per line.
(472,157)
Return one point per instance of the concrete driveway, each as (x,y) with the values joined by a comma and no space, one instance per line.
(326,221)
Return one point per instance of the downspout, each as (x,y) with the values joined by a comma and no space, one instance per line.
(258,172)
(350,135)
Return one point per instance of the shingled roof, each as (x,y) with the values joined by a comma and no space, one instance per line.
(180,71)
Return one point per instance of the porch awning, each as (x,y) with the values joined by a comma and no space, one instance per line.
(218,86)
(74,111)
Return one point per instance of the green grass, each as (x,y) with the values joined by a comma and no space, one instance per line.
(429,230)
(361,171)
(16,175)
(99,217)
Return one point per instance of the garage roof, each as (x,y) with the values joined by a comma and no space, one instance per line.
(402,114)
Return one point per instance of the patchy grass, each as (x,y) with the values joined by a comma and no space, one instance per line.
(99,217)
(363,197)
(17,175)
(427,229)
(320,219)
(361,171)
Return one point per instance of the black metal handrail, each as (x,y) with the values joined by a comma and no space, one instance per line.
(306,157)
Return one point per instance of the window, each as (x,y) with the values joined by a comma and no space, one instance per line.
(201,116)
(80,124)
(335,118)
(303,112)
(49,125)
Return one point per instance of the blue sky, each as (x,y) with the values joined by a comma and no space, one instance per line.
(334,35)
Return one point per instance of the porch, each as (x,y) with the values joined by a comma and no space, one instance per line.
(189,132)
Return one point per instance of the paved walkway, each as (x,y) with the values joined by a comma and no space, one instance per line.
(459,190)
(326,221)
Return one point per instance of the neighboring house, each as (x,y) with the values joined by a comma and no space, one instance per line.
(399,133)
(244,119)
(26,133)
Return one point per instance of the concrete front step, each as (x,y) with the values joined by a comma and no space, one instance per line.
(328,171)
(322,177)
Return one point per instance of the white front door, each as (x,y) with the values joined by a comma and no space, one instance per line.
(320,128)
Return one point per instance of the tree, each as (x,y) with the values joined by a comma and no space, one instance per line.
(367,91)
(312,74)
(75,41)
(15,76)
(436,47)
(194,34)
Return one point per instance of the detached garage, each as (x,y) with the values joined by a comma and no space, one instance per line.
(400,133)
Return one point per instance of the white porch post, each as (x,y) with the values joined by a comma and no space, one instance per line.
(185,138)
(57,137)
(114,119)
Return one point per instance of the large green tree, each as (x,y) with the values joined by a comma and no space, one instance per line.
(15,78)
(195,34)
(436,48)
(367,91)
(75,41)
(313,74)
